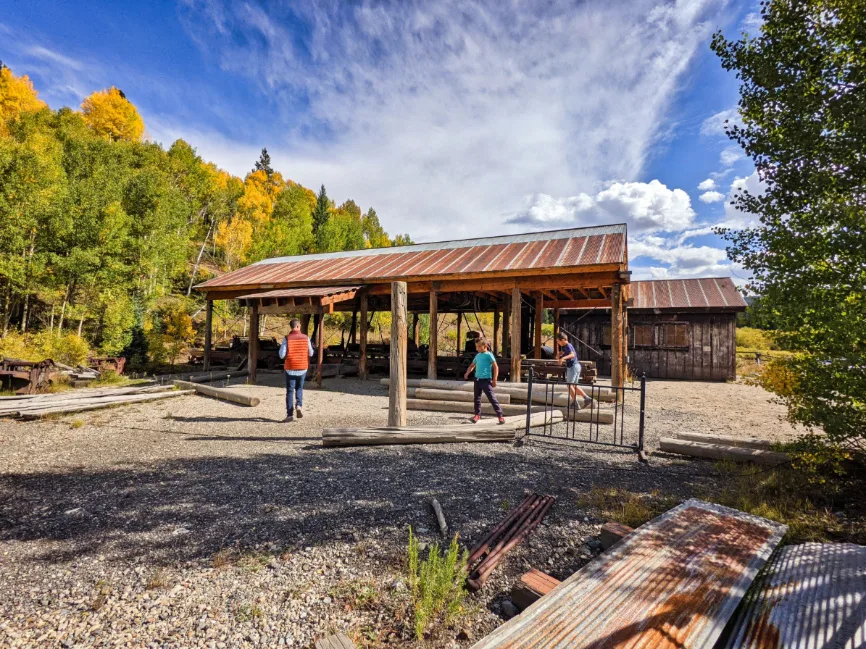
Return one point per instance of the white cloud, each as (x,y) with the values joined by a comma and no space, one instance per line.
(438,111)
(731,155)
(681,261)
(712,197)
(707,185)
(644,207)
(752,23)
(715,124)
(734,218)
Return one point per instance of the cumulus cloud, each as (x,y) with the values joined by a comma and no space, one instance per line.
(712,197)
(707,185)
(715,124)
(644,207)
(436,111)
(681,261)
(734,218)
(731,155)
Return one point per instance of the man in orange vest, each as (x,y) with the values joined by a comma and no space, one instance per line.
(297,350)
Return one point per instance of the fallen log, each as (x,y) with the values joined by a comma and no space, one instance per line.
(105,403)
(70,398)
(210,377)
(727,441)
(590,415)
(220,393)
(721,452)
(440,517)
(462,406)
(451,395)
(517,391)
(447,434)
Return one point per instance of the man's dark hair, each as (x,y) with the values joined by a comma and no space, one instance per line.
(294,323)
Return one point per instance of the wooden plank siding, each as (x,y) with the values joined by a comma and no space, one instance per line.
(708,352)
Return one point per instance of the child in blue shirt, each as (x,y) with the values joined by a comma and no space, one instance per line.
(486,372)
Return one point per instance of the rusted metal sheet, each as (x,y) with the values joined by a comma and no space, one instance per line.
(578,247)
(672,583)
(810,596)
(679,294)
(312,291)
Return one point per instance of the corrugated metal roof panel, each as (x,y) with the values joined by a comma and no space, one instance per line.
(810,596)
(672,583)
(706,292)
(313,291)
(535,250)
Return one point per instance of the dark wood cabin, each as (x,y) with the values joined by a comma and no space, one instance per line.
(677,329)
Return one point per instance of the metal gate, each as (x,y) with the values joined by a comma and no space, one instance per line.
(614,417)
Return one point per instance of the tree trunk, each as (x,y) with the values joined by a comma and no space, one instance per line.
(198,259)
(80,326)
(25,313)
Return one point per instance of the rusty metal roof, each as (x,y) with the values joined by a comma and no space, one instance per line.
(703,293)
(577,247)
(672,583)
(810,596)
(312,291)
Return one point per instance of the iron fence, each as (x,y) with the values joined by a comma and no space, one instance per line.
(613,416)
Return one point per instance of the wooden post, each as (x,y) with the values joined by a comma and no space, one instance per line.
(305,324)
(253,344)
(459,333)
(555,329)
(539,319)
(624,337)
(353,332)
(506,322)
(320,351)
(208,333)
(433,344)
(397,384)
(362,357)
(616,335)
(495,331)
(416,329)
(515,335)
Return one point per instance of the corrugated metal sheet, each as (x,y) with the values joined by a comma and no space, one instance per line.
(672,583)
(703,293)
(810,596)
(578,247)
(313,291)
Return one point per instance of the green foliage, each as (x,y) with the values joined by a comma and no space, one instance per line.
(803,107)
(264,163)
(436,584)
(755,339)
(66,348)
(136,352)
(321,212)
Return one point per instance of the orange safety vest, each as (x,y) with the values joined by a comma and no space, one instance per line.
(297,352)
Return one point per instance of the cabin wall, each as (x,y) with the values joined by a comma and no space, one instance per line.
(702,345)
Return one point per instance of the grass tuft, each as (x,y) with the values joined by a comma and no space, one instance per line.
(159,578)
(626,507)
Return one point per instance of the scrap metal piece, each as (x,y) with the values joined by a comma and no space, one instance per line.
(810,596)
(672,583)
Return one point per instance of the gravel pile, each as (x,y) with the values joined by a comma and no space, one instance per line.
(198,523)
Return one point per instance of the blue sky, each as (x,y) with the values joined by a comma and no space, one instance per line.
(452,119)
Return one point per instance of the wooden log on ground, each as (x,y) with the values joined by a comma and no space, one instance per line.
(209,377)
(220,393)
(517,391)
(440,517)
(593,415)
(727,441)
(722,452)
(107,403)
(451,395)
(464,407)
(446,434)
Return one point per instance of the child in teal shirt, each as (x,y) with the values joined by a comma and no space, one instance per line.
(486,372)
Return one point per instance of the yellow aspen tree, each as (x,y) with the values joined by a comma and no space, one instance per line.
(17,95)
(234,237)
(110,114)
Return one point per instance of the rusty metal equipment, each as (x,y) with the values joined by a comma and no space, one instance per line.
(103,363)
(487,554)
(26,377)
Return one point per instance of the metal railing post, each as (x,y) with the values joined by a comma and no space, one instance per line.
(642,411)
(529,400)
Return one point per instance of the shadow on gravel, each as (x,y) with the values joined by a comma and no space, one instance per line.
(190,508)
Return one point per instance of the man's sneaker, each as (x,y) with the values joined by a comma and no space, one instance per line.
(288,419)
(502,420)
(587,402)
(476,419)
(300,413)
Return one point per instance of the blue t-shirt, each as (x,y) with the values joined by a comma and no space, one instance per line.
(569,349)
(484,365)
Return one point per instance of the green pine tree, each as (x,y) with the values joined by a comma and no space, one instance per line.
(322,211)
(264,163)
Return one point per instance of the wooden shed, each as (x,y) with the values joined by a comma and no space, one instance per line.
(677,329)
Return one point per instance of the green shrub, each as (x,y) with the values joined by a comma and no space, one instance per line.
(436,584)
(67,348)
(757,339)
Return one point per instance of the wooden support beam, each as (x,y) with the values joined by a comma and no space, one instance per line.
(624,337)
(320,347)
(365,325)
(506,323)
(253,344)
(515,335)
(495,347)
(354,330)
(416,329)
(555,328)
(578,304)
(397,385)
(433,343)
(616,335)
(208,333)
(305,324)
(459,344)
(539,320)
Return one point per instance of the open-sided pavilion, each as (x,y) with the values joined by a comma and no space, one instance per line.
(517,276)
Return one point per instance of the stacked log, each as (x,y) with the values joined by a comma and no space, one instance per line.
(61,403)
(219,393)
(722,452)
(516,391)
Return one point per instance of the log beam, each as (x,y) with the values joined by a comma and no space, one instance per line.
(433,343)
(397,386)
(495,347)
(365,325)
(320,347)
(515,335)
(253,344)
(616,335)
(208,333)
(539,320)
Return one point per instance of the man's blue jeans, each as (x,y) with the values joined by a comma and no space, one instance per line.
(294,383)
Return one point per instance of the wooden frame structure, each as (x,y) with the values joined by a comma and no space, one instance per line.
(517,276)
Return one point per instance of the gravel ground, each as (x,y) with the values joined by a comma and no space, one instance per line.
(196,523)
